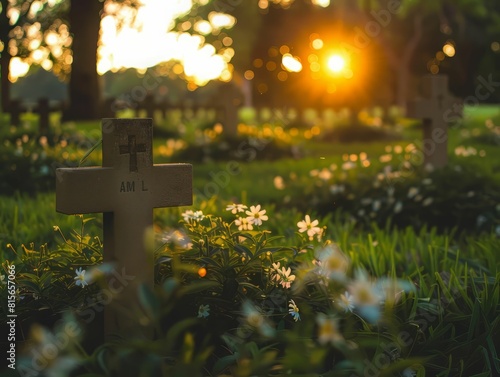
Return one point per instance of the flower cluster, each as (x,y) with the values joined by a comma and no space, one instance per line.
(282,275)
(192,216)
(254,217)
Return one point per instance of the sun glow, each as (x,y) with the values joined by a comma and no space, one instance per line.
(149,36)
(336,63)
(144,42)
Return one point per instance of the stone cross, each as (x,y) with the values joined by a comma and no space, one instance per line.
(434,109)
(15,112)
(43,110)
(228,100)
(126,189)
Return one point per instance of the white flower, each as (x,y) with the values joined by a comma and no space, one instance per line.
(80,277)
(256,320)
(203,311)
(346,302)
(187,215)
(244,223)
(178,238)
(311,227)
(366,296)
(398,207)
(235,208)
(335,189)
(283,276)
(363,290)
(257,215)
(409,372)
(427,202)
(294,311)
(190,216)
(198,216)
(376,205)
(412,192)
(332,263)
(328,331)
(286,277)
(366,201)
(2,278)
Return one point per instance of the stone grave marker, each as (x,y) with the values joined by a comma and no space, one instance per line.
(227,101)
(126,189)
(434,108)
(15,110)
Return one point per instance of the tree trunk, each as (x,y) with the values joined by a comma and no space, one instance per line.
(403,69)
(401,64)
(4,57)
(84,88)
(5,83)
(402,77)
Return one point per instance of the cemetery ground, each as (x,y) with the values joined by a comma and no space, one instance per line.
(397,277)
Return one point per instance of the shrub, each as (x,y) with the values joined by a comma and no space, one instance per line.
(232,298)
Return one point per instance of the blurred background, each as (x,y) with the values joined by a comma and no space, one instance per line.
(295,53)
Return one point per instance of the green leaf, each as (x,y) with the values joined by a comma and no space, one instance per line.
(199,287)
(224,362)
(149,301)
(179,328)
(241,249)
(84,158)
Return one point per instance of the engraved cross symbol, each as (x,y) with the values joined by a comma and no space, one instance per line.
(132,148)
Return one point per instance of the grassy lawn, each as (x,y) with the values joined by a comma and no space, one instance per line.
(225,301)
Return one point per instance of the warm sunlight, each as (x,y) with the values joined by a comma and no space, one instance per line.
(291,63)
(147,39)
(145,42)
(336,63)
(17,68)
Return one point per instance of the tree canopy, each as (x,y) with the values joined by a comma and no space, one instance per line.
(387,42)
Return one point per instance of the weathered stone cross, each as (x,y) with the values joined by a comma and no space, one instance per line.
(434,110)
(126,189)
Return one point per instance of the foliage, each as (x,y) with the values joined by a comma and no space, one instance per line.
(460,196)
(26,154)
(222,305)
(212,144)
(358,132)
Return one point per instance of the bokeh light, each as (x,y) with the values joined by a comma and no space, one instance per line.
(449,50)
(138,38)
(321,3)
(291,63)
(317,44)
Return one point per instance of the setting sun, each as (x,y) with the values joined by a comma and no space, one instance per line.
(336,63)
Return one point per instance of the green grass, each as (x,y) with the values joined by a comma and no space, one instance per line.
(30,219)
(451,316)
